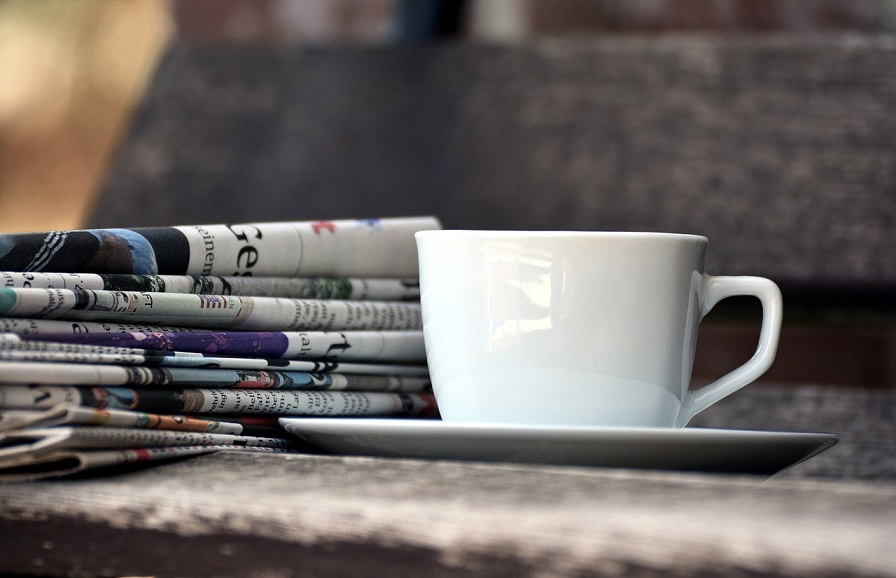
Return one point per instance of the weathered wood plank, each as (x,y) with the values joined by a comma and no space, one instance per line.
(231,514)
(780,149)
(268,515)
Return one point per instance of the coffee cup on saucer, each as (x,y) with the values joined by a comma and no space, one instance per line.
(576,328)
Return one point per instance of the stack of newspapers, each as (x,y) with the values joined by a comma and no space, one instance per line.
(132,345)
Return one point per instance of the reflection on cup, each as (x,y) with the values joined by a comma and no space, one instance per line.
(576,328)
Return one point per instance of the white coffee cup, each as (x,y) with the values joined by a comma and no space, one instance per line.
(576,328)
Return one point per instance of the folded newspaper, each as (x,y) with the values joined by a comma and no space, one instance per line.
(210,311)
(341,248)
(381,346)
(123,346)
(355,289)
(36,453)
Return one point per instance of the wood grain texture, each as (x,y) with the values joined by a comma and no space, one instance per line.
(230,514)
(780,149)
(286,515)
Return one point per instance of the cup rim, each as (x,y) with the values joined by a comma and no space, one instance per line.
(509,234)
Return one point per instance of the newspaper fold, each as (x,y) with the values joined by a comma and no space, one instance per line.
(380,346)
(17,443)
(12,350)
(339,248)
(57,463)
(33,327)
(339,288)
(222,401)
(23,373)
(210,311)
(17,419)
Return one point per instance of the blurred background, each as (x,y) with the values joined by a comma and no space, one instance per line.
(72,71)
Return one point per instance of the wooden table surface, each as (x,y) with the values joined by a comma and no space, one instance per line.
(302,514)
(282,515)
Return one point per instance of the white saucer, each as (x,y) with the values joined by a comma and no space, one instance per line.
(690,449)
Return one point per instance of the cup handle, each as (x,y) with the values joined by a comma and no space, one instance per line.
(714,290)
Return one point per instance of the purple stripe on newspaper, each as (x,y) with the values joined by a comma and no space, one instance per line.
(268,344)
